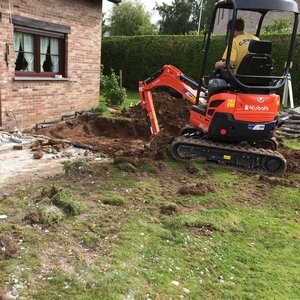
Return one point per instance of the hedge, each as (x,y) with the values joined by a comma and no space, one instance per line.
(140,56)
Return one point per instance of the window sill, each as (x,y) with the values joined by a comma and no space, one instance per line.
(40,79)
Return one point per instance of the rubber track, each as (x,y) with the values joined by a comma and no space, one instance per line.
(231,148)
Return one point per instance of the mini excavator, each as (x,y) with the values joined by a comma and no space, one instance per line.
(233,118)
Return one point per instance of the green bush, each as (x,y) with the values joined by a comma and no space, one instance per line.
(279,26)
(111,90)
(140,56)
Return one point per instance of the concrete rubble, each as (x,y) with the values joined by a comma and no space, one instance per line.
(28,158)
(40,146)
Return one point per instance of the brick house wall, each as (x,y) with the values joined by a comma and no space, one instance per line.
(251,19)
(27,101)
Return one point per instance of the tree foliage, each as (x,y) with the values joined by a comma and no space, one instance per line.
(130,18)
(208,6)
(177,17)
(182,16)
(279,26)
(105,27)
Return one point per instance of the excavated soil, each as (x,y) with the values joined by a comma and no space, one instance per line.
(123,138)
(117,138)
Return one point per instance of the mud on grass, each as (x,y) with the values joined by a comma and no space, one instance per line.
(140,236)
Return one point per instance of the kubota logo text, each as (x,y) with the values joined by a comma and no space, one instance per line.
(256,108)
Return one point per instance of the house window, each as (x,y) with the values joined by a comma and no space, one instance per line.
(38,55)
(40,48)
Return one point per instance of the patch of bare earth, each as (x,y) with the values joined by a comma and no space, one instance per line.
(8,247)
(202,230)
(120,138)
(199,189)
(293,159)
(111,138)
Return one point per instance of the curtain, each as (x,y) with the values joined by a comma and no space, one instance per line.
(54,52)
(17,41)
(29,51)
(44,48)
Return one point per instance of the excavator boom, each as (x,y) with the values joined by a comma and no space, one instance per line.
(171,77)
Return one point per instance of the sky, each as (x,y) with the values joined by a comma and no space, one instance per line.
(149,5)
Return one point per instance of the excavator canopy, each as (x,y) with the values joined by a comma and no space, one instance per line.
(263,8)
(260,5)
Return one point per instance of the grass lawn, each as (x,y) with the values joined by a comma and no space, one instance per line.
(131,99)
(152,229)
(156,233)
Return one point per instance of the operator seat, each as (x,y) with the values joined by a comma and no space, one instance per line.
(257,62)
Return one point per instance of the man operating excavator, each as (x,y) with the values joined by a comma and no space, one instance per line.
(240,45)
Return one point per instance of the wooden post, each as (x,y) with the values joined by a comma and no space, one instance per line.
(121,78)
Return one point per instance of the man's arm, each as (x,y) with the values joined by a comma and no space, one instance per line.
(221,64)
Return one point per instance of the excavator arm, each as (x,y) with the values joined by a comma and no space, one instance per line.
(171,77)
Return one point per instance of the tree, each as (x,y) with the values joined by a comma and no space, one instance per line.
(196,6)
(130,18)
(177,17)
(182,16)
(208,6)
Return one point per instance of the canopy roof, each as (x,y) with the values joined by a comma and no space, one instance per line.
(261,5)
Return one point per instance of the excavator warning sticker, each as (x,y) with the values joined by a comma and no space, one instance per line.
(256,126)
(231,103)
(190,95)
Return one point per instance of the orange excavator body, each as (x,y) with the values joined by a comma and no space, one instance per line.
(247,112)
(228,128)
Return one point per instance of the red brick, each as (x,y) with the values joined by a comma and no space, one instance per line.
(37,101)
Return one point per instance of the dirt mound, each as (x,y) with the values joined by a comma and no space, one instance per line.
(121,137)
(199,189)
(8,247)
(172,113)
(293,159)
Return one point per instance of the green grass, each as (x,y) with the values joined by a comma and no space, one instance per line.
(291,143)
(113,199)
(102,107)
(139,238)
(132,99)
